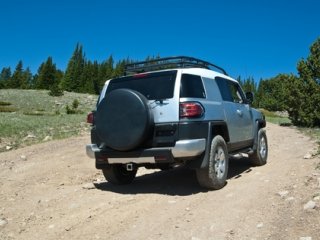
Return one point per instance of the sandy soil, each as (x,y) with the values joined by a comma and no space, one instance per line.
(53,191)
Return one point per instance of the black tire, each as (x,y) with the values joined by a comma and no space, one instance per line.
(118,174)
(124,120)
(260,155)
(214,176)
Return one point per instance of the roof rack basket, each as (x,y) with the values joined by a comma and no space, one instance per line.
(169,62)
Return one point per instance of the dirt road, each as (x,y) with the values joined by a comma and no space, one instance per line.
(47,192)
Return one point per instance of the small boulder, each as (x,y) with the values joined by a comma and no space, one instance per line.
(259,225)
(3,222)
(31,136)
(88,186)
(307,156)
(47,138)
(309,205)
(289,199)
(283,194)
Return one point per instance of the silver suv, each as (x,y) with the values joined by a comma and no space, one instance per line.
(175,111)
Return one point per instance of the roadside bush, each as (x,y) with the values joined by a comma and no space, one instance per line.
(70,110)
(74,109)
(272,94)
(55,91)
(5,103)
(304,99)
(75,104)
(7,109)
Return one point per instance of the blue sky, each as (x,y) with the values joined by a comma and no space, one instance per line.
(247,38)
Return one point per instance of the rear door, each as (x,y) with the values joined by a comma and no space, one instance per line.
(238,112)
(160,90)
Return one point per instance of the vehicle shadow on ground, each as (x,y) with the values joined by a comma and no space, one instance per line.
(179,181)
(237,167)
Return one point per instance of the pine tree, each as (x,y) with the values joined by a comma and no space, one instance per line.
(46,76)
(72,78)
(86,80)
(5,77)
(26,79)
(55,89)
(120,68)
(272,94)
(304,97)
(106,72)
(96,87)
(17,76)
(249,85)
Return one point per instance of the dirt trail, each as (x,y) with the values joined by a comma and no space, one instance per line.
(47,192)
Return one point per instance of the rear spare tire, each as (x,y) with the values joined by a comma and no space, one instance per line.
(123,119)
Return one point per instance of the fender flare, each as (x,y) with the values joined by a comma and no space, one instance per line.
(260,123)
(214,128)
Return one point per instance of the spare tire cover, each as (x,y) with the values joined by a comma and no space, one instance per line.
(123,119)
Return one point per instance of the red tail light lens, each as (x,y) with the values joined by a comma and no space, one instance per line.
(140,75)
(90,118)
(191,110)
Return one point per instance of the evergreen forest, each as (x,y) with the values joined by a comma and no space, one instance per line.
(298,95)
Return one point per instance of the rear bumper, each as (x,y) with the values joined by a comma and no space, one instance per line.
(182,149)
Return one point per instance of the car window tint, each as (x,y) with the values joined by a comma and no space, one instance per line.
(236,93)
(154,86)
(230,91)
(224,89)
(191,87)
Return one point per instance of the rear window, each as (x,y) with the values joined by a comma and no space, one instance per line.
(154,86)
(191,87)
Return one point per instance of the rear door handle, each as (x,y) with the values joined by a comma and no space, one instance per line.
(239,112)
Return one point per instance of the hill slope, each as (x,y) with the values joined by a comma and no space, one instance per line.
(31,116)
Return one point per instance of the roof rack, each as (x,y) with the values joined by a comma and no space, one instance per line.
(169,62)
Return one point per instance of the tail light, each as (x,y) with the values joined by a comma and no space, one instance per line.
(90,118)
(191,110)
(140,75)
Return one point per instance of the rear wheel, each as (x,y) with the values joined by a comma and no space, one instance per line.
(118,174)
(214,176)
(260,155)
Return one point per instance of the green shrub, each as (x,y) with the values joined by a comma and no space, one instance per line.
(35,113)
(75,104)
(7,109)
(55,91)
(70,110)
(74,109)
(267,113)
(5,103)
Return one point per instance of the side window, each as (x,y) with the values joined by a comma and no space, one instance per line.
(230,91)
(191,87)
(236,92)
(224,89)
